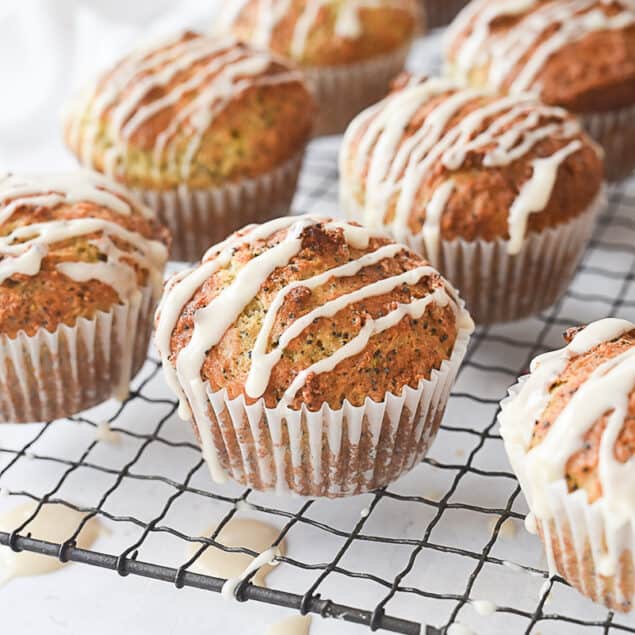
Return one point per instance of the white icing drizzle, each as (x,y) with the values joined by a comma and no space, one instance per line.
(212,321)
(348,24)
(484,607)
(23,249)
(398,164)
(136,91)
(566,21)
(294,625)
(605,391)
(267,557)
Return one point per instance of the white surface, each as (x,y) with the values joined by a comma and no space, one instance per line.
(59,53)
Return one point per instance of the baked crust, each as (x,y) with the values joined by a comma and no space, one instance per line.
(260,115)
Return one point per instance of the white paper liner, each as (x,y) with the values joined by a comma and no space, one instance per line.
(330,453)
(500,287)
(441,12)
(198,219)
(593,555)
(614,131)
(342,92)
(51,375)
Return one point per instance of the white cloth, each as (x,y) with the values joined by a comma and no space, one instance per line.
(51,48)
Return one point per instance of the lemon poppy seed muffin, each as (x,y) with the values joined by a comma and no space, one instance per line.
(81,270)
(569,431)
(348,50)
(578,54)
(498,192)
(209,132)
(312,355)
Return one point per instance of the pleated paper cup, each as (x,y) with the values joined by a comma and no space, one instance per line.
(582,545)
(500,287)
(331,453)
(51,375)
(342,92)
(198,219)
(441,12)
(614,131)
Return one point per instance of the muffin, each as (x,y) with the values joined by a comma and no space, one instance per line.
(81,271)
(498,192)
(569,430)
(578,54)
(349,51)
(441,12)
(313,355)
(208,132)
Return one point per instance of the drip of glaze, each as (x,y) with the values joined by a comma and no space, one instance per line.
(54,523)
(294,625)
(212,321)
(23,249)
(484,607)
(224,71)
(105,434)
(397,164)
(239,532)
(565,22)
(457,628)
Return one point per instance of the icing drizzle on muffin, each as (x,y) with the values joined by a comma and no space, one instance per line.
(379,152)
(191,78)
(271,12)
(184,371)
(549,28)
(605,393)
(24,247)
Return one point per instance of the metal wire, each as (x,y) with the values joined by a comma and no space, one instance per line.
(496,357)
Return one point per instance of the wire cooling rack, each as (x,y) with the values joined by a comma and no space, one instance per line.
(410,558)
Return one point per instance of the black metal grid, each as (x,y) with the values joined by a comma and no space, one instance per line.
(453,512)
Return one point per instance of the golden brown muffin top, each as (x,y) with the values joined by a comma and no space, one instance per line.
(323,32)
(195,110)
(575,416)
(579,54)
(436,160)
(307,312)
(71,245)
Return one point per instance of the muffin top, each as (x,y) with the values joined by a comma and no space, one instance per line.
(305,312)
(323,32)
(579,54)
(71,245)
(440,161)
(195,110)
(575,418)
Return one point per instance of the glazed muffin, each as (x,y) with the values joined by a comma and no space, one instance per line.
(81,270)
(312,355)
(498,192)
(349,51)
(578,54)
(569,430)
(441,12)
(208,132)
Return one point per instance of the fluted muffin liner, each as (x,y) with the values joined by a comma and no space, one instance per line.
(441,12)
(592,554)
(200,218)
(51,375)
(614,131)
(500,287)
(342,92)
(331,453)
